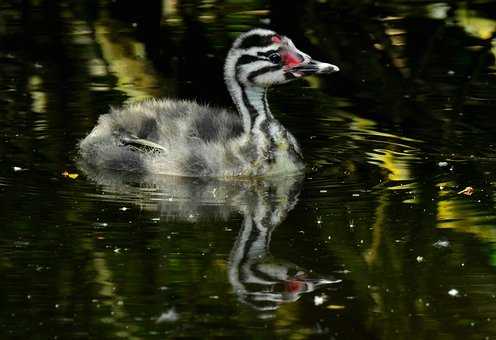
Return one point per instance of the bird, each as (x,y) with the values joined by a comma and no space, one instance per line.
(184,138)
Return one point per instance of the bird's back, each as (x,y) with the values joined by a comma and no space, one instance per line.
(181,138)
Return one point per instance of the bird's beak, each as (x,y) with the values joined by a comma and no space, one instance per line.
(312,67)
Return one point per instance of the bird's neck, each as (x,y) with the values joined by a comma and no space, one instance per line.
(251,102)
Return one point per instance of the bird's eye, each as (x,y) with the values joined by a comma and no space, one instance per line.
(275,58)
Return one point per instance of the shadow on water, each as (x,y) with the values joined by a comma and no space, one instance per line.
(378,241)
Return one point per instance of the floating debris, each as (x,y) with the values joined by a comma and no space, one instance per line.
(468,191)
(123,208)
(169,316)
(17,168)
(420,259)
(442,164)
(453,292)
(318,300)
(67,174)
(441,244)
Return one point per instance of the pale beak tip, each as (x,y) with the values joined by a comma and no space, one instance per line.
(331,68)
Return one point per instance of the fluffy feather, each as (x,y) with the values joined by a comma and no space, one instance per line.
(196,140)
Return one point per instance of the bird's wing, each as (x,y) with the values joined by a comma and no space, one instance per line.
(141,144)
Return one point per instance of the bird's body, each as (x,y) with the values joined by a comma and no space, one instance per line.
(188,139)
(184,138)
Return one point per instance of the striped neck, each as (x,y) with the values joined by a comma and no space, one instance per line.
(251,102)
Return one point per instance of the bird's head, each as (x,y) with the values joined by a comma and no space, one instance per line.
(263,58)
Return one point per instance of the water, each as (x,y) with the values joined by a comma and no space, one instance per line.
(375,242)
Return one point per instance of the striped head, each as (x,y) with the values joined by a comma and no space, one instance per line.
(263,58)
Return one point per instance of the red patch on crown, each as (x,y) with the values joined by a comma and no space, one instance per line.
(276,39)
(290,59)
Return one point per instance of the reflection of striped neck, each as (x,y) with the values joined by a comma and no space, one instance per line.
(251,102)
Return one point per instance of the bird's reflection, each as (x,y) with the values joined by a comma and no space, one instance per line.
(258,279)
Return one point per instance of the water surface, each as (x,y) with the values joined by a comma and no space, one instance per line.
(376,241)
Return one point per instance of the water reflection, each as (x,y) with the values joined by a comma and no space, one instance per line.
(257,278)
(390,142)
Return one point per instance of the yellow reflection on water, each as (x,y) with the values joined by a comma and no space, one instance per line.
(473,24)
(125,58)
(397,163)
(462,213)
(394,153)
(38,96)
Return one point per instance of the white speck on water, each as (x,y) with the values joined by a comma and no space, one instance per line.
(323,191)
(17,168)
(117,250)
(123,208)
(120,303)
(442,164)
(169,316)
(453,292)
(441,244)
(214,297)
(318,300)
(156,219)
(319,220)
(451,72)
(420,259)
(227,229)
(355,195)
(100,224)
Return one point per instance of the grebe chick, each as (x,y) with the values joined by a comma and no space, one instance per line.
(183,138)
